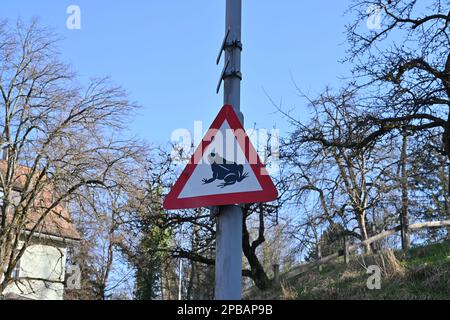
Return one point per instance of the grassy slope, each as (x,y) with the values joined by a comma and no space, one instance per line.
(423,273)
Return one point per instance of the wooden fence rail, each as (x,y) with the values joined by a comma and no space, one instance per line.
(305,267)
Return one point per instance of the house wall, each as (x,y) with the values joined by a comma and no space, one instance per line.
(40,274)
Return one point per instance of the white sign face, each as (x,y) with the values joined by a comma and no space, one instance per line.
(224,167)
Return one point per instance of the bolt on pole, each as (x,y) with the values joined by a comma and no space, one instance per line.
(228,278)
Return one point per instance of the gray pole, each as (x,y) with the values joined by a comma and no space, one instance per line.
(180,278)
(180,274)
(229,219)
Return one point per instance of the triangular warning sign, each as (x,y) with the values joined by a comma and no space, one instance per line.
(225,169)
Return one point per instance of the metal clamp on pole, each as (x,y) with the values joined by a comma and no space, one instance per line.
(222,47)
(222,76)
(233,45)
(227,74)
(232,73)
(228,45)
(213,212)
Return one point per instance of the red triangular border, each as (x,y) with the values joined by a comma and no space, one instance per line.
(268,192)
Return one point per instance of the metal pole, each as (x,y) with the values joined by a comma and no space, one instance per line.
(180,273)
(229,219)
(180,278)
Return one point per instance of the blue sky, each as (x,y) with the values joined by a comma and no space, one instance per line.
(163,53)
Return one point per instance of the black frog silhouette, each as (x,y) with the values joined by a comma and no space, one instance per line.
(227,171)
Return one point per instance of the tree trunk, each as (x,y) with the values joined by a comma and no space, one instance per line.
(404,219)
(445,174)
(363,229)
(191,281)
(256,273)
(346,252)
(446,136)
(319,253)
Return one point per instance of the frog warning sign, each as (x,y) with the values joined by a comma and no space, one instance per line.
(225,169)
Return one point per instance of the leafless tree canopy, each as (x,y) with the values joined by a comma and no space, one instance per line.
(58,137)
(401,70)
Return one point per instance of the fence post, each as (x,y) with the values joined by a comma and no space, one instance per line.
(346,252)
(319,254)
(276,274)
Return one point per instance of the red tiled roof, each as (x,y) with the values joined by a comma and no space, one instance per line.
(57,222)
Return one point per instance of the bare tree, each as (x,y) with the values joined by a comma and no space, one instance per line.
(58,137)
(402,69)
(401,77)
(428,184)
(350,185)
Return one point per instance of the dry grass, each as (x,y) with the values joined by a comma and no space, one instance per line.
(288,292)
(422,273)
(392,267)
